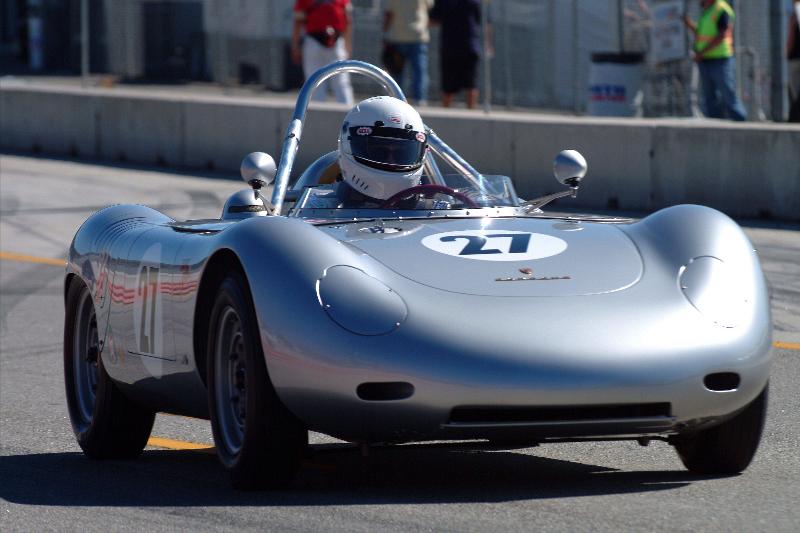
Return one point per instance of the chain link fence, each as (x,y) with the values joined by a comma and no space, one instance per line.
(670,87)
(543,48)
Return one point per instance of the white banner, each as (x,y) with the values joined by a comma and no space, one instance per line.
(669,33)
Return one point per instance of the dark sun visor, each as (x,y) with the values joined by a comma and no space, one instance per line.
(392,149)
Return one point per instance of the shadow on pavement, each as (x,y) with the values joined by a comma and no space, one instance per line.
(333,475)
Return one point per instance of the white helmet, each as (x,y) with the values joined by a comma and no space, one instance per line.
(382,145)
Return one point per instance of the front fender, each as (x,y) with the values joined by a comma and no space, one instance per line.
(283,258)
(724,266)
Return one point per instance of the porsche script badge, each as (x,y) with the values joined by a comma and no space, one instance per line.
(527,275)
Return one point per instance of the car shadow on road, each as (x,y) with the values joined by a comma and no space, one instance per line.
(332,475)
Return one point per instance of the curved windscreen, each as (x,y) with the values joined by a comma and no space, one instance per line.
(488,191)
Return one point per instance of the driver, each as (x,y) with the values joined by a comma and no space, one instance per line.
(382,145)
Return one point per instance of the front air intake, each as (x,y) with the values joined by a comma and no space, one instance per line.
(385,391)
(722,381)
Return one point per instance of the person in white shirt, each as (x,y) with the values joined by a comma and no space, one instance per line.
(328,38)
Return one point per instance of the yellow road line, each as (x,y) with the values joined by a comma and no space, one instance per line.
(171,444)
(24,258)
(787,345)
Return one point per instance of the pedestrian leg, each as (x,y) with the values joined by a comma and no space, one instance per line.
(400,75)
(794,90)
(313,60)
(472,98)
(727,89)
(418,53)
(709,75)
(342,89)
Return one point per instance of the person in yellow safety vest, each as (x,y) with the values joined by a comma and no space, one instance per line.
(713,52)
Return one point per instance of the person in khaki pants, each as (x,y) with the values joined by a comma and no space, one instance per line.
(405,26)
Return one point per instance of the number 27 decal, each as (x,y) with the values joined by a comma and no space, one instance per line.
(476,243)
(504,245)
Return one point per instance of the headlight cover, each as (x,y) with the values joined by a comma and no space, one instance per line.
(711,287)
(358,302)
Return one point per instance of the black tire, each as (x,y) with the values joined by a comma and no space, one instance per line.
(259,442)
(726,448)
(106,423)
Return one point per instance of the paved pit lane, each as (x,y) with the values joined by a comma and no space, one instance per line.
(47,484)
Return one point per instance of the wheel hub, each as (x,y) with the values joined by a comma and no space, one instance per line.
(86,359)
(230,380)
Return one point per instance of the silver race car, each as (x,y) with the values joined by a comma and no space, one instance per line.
(451,311)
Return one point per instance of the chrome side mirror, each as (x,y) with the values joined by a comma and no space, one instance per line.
(258,170)
(569,168)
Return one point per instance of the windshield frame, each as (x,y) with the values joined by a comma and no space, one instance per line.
(325,215)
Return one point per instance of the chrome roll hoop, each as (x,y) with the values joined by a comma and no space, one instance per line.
(294,132)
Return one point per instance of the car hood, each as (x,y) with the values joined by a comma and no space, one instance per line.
(514,257)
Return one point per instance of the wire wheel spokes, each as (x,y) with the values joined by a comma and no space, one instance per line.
(230,376)
(85,361)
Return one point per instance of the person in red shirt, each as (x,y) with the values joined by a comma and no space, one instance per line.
(326,28)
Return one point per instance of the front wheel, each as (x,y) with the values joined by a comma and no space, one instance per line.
(726,448)
(259,442)
(107,425)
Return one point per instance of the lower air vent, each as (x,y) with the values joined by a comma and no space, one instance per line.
(722,381)
(557,413)
(384,392)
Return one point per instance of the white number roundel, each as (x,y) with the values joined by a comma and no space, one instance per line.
(495,245)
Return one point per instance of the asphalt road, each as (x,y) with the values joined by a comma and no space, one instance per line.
(47,484)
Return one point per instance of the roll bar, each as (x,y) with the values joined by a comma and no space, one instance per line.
(295,130)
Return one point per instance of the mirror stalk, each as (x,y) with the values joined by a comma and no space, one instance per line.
(538,203)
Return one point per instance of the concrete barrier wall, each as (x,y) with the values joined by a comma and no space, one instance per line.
(745,170)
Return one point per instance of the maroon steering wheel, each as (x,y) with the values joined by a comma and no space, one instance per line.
(428,191)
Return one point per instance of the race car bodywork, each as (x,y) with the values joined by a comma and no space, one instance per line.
(488,320)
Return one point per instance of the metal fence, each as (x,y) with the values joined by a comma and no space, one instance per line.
(543,52)
(542,48)
(669,87)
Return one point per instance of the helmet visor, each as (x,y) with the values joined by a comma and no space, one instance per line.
(392,149)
